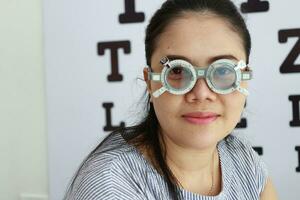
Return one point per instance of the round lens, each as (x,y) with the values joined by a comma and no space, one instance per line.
(223,77)
(179,77)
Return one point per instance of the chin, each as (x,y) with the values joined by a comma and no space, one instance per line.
(204,139)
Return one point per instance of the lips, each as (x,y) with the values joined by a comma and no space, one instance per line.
(200,117)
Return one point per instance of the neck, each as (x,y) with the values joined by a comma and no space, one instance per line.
(196,170)
(187,160)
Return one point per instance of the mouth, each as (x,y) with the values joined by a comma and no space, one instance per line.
(200,117)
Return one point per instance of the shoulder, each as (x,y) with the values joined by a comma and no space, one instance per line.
(248,165)
(108,173)
(240,148)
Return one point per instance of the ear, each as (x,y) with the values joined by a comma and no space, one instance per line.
(148,82)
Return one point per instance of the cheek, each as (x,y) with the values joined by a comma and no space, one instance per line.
(161,109)
(166,107)
(163,112)
(233,106)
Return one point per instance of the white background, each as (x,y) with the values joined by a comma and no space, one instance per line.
(23,144)
(77,85)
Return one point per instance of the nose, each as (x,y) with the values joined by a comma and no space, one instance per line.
(201,92)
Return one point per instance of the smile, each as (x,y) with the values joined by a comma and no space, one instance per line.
(200,117)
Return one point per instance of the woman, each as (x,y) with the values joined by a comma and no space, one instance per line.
(197,77)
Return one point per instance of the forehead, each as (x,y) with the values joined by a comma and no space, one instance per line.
(200,38)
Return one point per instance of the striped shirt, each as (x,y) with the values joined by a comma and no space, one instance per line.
(125,174)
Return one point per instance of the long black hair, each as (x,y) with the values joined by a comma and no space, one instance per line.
(146,132)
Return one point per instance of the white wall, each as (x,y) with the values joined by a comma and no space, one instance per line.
(23,168)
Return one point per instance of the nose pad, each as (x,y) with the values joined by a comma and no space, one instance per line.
(201,85)
(201,91)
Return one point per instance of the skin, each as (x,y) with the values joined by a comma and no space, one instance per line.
(191,149)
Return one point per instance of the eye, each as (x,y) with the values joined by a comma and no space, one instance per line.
(223,71)
(179,77)
(176,71)
(223,77)
(179,73)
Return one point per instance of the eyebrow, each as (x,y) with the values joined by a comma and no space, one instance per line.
(210,60)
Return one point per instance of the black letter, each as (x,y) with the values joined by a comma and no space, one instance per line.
(113,47)
(255,6)
(259,150)
(108,126)
(243,121)
(130,16)
(296,110)
(288,66)
(297,148)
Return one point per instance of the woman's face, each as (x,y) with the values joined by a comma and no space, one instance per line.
(199,118)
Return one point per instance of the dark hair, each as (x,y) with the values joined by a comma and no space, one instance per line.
(146,133)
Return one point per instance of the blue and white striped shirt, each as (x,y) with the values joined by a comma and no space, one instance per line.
(124,174)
